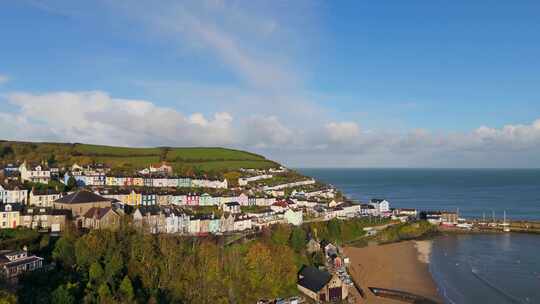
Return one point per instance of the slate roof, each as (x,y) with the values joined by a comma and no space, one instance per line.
(97,213)
(81,197)
(313,278)
(230,204)
(46,211)
(151,210)
(45,192)
(14,207)
(23,261)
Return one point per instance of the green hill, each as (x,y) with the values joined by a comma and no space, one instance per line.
(126,159)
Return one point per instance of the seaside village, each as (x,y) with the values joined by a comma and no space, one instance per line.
(158,201)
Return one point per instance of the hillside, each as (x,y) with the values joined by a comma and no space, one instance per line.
(184,160)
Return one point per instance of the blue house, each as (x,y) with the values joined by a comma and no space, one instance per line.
(148,199)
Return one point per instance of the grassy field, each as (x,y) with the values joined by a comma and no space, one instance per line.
(198,159)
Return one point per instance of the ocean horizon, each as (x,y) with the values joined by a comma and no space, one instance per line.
(477,268)
(474,192)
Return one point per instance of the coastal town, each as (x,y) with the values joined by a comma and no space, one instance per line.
(157,201)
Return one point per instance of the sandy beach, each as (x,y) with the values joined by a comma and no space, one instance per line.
(402,266)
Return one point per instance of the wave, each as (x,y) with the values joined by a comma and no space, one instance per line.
(494,287)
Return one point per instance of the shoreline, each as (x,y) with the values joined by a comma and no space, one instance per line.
(401,266)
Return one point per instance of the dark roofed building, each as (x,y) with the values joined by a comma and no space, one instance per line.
(231,207)
(15,262)
(321,285)
(80,202)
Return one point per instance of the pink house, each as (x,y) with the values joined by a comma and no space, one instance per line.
(243,199)
(192,199)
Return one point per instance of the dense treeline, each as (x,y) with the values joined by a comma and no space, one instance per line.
(406,231)
(343,231)
(127,266)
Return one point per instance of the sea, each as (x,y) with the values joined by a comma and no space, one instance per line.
(479,268)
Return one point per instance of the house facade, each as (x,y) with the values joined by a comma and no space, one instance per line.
(14,263)
(12,193)
(43,198)
(10,215)
(321,286)
(54,220)
(101,218)
(35,174)
(294,217)
(382,206)
(232,207)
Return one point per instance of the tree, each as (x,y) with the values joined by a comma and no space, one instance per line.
(71,183)
(281,234)
(298,239)
(104,293)
(126,289)
(7,298)
(334,230)
(64,251)
(113,267)
(44,242)
(62,295)
(259,265)
(96,272)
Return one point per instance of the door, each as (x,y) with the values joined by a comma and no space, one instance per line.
(335,294)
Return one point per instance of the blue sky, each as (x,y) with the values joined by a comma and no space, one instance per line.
(308,83)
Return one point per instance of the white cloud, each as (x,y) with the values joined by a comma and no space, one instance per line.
(98,118)
(342,132)
(265,132)
(3,79)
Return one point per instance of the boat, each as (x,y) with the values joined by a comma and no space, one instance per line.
(505,225)
(400,295)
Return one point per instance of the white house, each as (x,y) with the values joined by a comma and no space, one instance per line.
(290,185)
(232,207)
(205,183)
(381,205)
(293,217)
(367,210)
(43,198)
(10,194)
(243,181)
(242,223)
(35,174)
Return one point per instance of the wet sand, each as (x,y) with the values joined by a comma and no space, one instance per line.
(402,266)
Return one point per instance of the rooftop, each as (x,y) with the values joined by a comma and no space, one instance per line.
(313,278)
(81,197)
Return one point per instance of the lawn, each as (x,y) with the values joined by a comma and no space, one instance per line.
(197,154)
(96,150)
(202,160)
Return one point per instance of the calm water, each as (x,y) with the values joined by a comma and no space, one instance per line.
(474,191)
(502,268)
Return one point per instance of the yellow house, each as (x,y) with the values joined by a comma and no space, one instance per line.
(134,198)
(138,181)
(110,181)
(10,216)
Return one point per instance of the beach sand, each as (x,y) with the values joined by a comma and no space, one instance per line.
(402,266)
